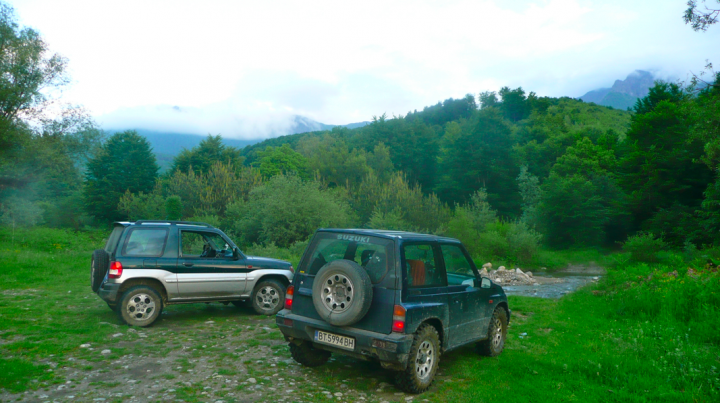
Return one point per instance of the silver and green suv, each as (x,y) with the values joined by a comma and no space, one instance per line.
(147,265)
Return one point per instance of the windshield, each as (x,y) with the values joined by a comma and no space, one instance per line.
(371,253)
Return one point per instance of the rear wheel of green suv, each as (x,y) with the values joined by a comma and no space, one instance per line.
(423,361)
(140,306)
(307,355)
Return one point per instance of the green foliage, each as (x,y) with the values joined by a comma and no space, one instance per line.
(20,212)
(660,169)
(392,220)
(399,202)
(142,206)
(173,208)
(210,151)
(531,194)
(282,160)
(644,247)
(286,210)
(124,163)
(212,192)
(478,154)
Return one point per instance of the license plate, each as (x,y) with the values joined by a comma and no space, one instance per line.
(348,343)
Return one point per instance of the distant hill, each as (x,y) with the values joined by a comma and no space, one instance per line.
(624,93)
(166,145)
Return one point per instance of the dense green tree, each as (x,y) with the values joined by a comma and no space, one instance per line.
(660,168)
(581,203)
(515,105)
(282,160)
(286,209)
(124,163)
(209,151)
(488,99)
(478,154)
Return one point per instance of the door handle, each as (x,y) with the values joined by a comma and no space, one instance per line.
(187,264)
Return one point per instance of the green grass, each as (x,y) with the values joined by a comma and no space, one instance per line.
(641,335)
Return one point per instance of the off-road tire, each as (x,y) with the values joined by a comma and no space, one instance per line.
(273,293)
(308,355)
(497,332)
(139,298)
(419,375)
(99,265)
(329,289)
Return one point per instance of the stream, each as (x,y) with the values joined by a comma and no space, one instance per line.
(572,281)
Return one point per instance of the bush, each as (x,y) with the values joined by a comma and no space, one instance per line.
(492,245)
(523,242)
(286,210)
(644,247)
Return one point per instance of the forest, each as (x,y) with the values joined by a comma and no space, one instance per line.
(507,172)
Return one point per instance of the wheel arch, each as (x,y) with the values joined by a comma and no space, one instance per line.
(504,305)
(150,282)
(437,324)
(273,276)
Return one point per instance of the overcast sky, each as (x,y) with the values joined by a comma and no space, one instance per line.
(241,68)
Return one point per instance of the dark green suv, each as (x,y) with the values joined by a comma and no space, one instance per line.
(396,297)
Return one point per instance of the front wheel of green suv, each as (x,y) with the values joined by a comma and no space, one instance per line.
(497,331)
(423,361)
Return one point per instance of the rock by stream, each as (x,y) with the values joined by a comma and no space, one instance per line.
(543,284)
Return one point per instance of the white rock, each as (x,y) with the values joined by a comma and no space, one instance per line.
(117,334)
(528,273)
(338,394)
(501,268)
(84,345)
(105,352)
(252,380)
(518,271)
(487,265)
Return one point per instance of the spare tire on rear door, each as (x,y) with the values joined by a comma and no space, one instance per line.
(342,292)
(98,268)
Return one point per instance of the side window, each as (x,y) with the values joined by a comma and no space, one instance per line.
(421,267)
(457,266)
(145,242)
(204,244)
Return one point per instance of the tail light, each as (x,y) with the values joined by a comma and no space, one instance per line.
(115,270)
(398,325)
(289,297)
(292,270)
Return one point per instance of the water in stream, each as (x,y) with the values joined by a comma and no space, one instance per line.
(572,282)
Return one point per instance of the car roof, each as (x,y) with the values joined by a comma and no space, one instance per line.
(404,235)
(163,223)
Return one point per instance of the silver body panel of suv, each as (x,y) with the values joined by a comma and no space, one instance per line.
(186,262)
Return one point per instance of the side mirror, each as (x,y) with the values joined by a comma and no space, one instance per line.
(236,253)
(485,283)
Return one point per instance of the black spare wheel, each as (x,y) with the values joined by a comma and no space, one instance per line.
(342,292)
(98,268)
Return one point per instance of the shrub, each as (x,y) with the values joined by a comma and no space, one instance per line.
(492,244)
(523,242)
(644,247)
(286,210)
(173,208)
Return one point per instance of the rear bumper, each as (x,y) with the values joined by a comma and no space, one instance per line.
(390,349)
(108,292)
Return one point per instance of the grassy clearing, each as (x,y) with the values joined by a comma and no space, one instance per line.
(641,335)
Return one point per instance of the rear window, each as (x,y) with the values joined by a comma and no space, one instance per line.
(145,242)
(374,254)
(114,238)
